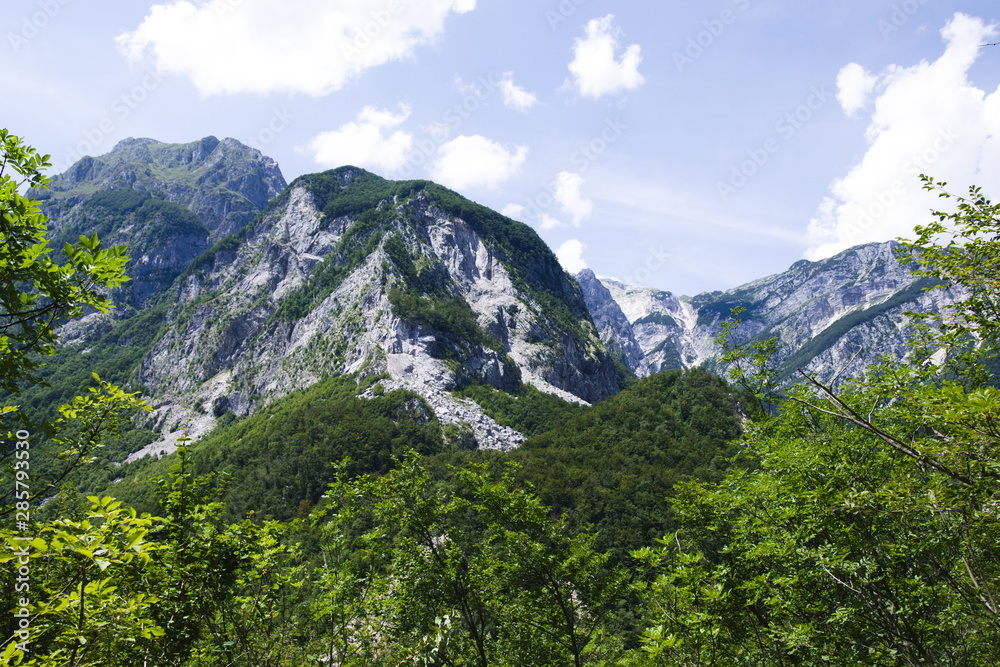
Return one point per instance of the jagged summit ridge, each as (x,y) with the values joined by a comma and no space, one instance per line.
(832,317)
(225,183)
(167,202)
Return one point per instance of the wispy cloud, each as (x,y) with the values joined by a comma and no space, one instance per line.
(569,195)
(659,207)
(515,97)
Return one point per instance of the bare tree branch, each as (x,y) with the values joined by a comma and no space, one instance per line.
(844,411)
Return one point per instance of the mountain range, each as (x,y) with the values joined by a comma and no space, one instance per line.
(245,289)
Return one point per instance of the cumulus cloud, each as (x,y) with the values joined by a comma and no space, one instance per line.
(570,255)
(297,46)
(569,196)
(515,97)
(926,119)
(475,161)
(547,223)
(597,69)
(365,142)
(854,85)
(514,211)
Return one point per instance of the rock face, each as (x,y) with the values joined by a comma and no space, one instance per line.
(225,183)
(616,331)
(349,273)
(832,318)
(168,203)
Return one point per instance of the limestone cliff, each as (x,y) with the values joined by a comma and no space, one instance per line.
(832,317)
(349,273)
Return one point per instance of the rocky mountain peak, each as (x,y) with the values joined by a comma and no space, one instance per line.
(613,326)
(832,317)
(167,202)
(349,273)
(225,183)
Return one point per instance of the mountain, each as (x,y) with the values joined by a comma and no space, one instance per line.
(225,183)
(246,290)
(167,202)
(348,273)
(831,318)
(339,273)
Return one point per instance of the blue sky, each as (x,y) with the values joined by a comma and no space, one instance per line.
(684,146)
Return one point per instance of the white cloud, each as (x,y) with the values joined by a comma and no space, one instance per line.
(515,97)
(545,221)
(473,161)
(570,198)
(596,68)
(570,255)
(548,223)
(266,46)
(927,118)
(514,211)
(364,143)
(854,85)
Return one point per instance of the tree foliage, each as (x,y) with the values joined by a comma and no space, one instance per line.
(613,467)
(475,574)
(864,529)
(36,293)
(960,251)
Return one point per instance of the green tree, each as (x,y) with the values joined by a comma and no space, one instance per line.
(749,365)
(477,574)
(79,596)
(85,599)
(37,295)
(960,250)
(863,527)
(227,593)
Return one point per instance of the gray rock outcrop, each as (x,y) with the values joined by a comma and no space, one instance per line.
(832,318)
